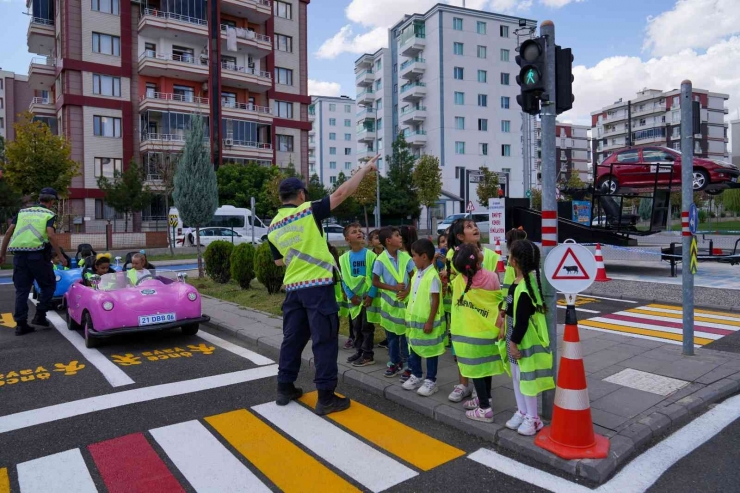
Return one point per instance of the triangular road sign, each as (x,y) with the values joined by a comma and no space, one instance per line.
(573,271)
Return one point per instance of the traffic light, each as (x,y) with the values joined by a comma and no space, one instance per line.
(531,79)
(563,79)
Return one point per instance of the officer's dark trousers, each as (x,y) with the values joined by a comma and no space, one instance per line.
(28,267)
(310,313)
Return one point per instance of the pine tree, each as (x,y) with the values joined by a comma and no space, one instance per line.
(196,187)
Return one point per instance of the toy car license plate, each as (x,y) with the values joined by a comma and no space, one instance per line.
(160,318)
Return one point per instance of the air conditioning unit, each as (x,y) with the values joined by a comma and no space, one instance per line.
(228,142)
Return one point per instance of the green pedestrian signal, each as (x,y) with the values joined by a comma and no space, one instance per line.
(530,77)
(529,194)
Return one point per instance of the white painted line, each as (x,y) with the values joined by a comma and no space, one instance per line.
(115,376)
(255,358)
(679,311)
(608,299)
(56,412)
(579,309)
(658,328)
(59,473)
(355,458)
(676,320)
(637,336)
(205,463)
(638,475)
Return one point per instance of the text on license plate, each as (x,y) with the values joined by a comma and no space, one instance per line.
(160,318)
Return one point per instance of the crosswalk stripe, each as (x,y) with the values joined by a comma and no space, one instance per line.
(665,318)
(662,325)
(59,473)
(679,315)
(129,464)
(255,358)
(719,315)
(4,481)
(353,457)
(274,454)
(635,330)
(636,336)
(204,462)
(412,446)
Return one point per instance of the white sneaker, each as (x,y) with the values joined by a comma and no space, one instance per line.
(515,421)
(459,393)
(428,388)
(413,383)
(530,426)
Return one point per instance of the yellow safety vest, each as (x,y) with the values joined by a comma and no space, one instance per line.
(359,285)
(417,314)
(490,260)
(509,278)
(308,261)
(30,230)
(392,310)
(474,331)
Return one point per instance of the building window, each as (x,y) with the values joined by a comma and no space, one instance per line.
(105,85)
(332,107)
(504,79)
(347,165)
(505,150)
(347,151)
(482,76)
(459,98)
(459,73)
(284,43)
(333,151)
(347,136)
(457,24)
(106,126)
(506,126)
(459,147)
(106,167)
(187,94)
(504,31)
(283,109)
(106,44)
(348,108)
(284,76)
(378,84)
(482,51)
(284,143)
(480,27)
(483,124)
(378,64)
(332,165)
(378,105)
(332,122)
(504,55)
(347,123)
(483,149)
(332,136)
(107,6)
(380,124)
(333,179)
(459,123)
(505,102)
(457,48)
(283,9)
(483,100)
(104,211)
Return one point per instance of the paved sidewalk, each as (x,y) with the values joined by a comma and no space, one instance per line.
(625,412)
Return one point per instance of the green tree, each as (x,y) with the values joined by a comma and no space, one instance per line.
(365,195)
(161,171)
(10,202)
(37,158)
(349,209)
(427,178)
(574,187)
(731,200)
(2,150)
(196,186)
(316,189)
(398,197)
(488,186)
(237,184)
(537,199)
(126,193)
(646,208)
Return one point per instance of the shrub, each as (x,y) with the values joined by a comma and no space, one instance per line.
(242,265)
(702,216)
(269,274)
(218,261)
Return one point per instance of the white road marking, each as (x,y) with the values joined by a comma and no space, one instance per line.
(579,309)
(637,336)
(638,475)
(115,376)
(255,358)
(361,462)
(205,463)
(676,321)
(659,328)
(56,412)
(608,299)
(679,311)
(59,473)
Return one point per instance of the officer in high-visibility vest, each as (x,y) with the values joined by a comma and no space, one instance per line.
(310,309)
(31,239)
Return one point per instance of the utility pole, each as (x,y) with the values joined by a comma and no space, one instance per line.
(687,200)
(549,202)
(377,173)
(214,79)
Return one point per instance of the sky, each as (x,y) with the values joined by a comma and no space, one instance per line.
(620,46)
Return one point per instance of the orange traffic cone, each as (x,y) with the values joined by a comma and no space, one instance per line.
(600,269)
(500,265)
(571,434)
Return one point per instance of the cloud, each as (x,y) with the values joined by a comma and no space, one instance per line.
(691,24)
(346,42)
(322,88)
(557,4)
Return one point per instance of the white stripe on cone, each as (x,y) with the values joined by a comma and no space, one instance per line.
(572,350)
(572,400)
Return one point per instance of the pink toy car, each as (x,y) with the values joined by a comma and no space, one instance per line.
(114,306)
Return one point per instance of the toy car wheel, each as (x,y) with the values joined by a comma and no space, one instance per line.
(190,330)
(90,342)
(608,185)
(71,324)
(700,180)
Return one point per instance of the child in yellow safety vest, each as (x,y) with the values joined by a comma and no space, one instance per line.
(527,340)
(373,241)
(512,235)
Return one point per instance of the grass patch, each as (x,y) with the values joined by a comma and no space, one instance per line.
(710,226)
(177,256)
(6,266)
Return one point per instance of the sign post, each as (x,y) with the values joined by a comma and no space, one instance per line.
(252,206)
(173,224)
(470,208)
(497,221)
(688,213)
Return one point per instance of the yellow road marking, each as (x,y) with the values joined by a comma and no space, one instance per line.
(646,332)
(680,316)
(697,310)
(284,463)
(412,446)
(4,481)
(7,320)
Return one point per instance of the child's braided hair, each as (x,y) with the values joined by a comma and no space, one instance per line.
(527,257)
(466,261)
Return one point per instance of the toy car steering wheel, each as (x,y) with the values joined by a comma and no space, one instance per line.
(144,278)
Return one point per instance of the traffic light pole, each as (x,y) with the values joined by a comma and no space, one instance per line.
(687,199)
(549,203)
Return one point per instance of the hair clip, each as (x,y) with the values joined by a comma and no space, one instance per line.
(457,248)
(472,257)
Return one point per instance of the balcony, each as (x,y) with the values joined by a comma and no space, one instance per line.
(250,42)
(42,107)
(246,77)
(365,78)
(657,108)
(366,154)
(257,11)
(177,66)
(616,117)
(413,91)
(417,138)
(40,36)
(156,23)
(238,111)
(413,69)
(366,97)
(651,139)
(413,114)
(364,62)
(609,147)
(151,142)
(365,114)
(246,149)
(311,143)
(181,103)
(614,131)
(414,45)
(41,73)
(366,134)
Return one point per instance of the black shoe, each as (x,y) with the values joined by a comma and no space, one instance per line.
(40,320)
(336,405)
(288,394)
(383,344)
(354,357)
(22,328)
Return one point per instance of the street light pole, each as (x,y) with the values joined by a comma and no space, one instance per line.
(687,200)
(377,173)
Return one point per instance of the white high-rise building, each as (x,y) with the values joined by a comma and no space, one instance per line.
(331,140)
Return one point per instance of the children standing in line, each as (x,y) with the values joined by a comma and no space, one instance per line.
(373,314)
(512,235)
(356,267)
(440,257)
(528,343)
(425,326)
(374,242)
(391,276)
(408,235)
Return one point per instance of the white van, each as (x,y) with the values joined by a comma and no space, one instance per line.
(239,219)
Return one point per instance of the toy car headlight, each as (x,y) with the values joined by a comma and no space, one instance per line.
(57,278)
(192,296)
(107,305)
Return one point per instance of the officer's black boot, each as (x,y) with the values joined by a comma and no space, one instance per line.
(23,328)
(40,319)
(329,403)
(286,393)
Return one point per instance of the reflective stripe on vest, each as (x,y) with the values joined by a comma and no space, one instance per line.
(392,310)
(30,230)
(359,285)
(417,314)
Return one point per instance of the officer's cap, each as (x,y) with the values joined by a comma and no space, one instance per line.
(291,185)
(49,191)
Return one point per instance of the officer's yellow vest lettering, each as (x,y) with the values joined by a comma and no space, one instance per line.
(359,285)
(417,314)
(30,230)
(307,258)
(392,310)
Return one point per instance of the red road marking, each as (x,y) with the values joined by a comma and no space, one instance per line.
(673,325)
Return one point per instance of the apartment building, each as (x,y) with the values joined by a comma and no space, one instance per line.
(572,152)
(15,96)
(123,80)
(332,144)
(375,95)
(654,117)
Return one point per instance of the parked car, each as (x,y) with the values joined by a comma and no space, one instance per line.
(482,220)
(638,166)
(334,232)
(208,235)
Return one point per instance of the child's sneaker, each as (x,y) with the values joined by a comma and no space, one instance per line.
(471,404)
(383,344)
(412,383)
(405,375)
(515,421)
(459,392)
(428,388)
(350,344)
(354,357)
(364,362)
(530,426)
(479,414)
(392,371)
